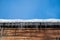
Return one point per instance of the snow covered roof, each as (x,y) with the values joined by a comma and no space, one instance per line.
(30,20)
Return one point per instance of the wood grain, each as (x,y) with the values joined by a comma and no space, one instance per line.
(29,34)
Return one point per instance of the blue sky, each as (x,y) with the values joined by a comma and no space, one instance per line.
(29,9)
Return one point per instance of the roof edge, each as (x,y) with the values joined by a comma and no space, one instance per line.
(29,20)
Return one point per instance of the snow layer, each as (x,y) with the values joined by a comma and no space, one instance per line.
(29,20)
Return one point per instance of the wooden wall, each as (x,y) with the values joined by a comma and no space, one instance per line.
(28,34)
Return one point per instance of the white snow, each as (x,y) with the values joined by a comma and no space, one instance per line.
(29,20)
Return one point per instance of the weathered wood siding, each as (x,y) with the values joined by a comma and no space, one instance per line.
(29,34)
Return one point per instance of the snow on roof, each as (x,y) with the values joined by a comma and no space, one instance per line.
(30,20)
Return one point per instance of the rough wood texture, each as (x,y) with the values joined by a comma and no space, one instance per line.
(29,34)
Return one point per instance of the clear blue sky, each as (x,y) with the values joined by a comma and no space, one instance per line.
(29,9)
